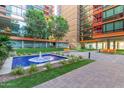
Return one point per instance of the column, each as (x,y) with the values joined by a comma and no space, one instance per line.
(96,45)
(108,44)
(22,44)
(114,44)
(46,44)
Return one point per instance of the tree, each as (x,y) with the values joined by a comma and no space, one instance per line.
(4,47)
(58,27)
(36,24)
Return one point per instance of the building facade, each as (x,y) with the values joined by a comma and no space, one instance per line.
(95,26)
(13,18)
(70,13)
(107,27)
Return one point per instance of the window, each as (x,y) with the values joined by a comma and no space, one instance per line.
(8,8)
(109,27)
(109,13)
(104,14)
(118,9)
(118,25)
(13,9)
(19,11)
(113,26)
(23,12)
(104,28)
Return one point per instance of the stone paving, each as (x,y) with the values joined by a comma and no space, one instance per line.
(6,68)
(106,72)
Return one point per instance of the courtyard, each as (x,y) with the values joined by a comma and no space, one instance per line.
(105,72)
(45,48)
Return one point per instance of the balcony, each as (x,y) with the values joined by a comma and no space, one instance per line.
(114,17)
(97,24)
(106,35)
(109,7)
(3,10)
(113,20)
(97,11)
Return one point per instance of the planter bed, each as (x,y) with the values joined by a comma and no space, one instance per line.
(41,76)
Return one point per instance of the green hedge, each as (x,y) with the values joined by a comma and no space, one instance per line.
(37,50)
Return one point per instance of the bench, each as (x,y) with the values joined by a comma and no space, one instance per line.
(66,49)
(108,51)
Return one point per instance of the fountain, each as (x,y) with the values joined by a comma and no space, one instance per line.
(41,58)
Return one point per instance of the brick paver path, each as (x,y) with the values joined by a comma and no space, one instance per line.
(106,72)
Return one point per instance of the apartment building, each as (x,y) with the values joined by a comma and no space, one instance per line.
(95,26)
(70,13)
(107,27)
(13,18)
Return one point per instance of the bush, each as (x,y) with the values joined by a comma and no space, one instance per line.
(64,62)
(73,58)
(33,68)
(18,71)
(48,66)
(80,57)
(78,47)
(18,54)
(62,54)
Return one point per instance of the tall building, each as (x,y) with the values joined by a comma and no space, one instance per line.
(58,10)
(107,27)
(12,17)
(95,26)
(85,20)
(70,13)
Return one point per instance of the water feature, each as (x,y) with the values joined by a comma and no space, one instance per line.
(41,58)
(26,61)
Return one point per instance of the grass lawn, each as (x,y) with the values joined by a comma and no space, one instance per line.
(37,50)
(121,52)
(40,77)
(85,50)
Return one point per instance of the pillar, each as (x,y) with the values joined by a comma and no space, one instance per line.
(108,44)
(114,44)
(96,45)
(22,44)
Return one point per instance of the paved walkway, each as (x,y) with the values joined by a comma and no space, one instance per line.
(6,68)
(106,72)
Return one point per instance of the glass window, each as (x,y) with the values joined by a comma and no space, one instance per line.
(8,8)
(104,14)
(104,28)
(19,11)
(109,13)
(23,12)
(118,9)
(14,9)
(118,25)
(109,27)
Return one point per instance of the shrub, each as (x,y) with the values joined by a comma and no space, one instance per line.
(29,54)
(68,55)
(71,60)
(78,47)
(33,68)
(64,62)
(62,54)
(19,54)
(48,66)
(80,57)
(18,71)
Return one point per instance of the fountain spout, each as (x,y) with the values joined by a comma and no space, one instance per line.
(40,55)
